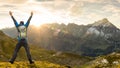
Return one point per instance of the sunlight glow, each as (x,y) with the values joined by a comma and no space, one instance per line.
(43,15)
(39,19)
(30,0)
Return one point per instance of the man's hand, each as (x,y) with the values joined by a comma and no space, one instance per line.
(10,13)
(31,13)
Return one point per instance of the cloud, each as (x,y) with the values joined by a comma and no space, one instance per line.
(7,5)
(92,1)
(114,18)
(118,1)
(111,8)
(65,11)
(64,7)
(52,0)
(14,1)
(94,16)
(44,0)
(76,8)
(57,4)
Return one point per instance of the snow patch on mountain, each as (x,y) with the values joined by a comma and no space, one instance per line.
(93,30)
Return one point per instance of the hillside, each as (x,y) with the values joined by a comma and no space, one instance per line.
(99,38)
(62,58)
(107,61)
(39,54)
(6,46)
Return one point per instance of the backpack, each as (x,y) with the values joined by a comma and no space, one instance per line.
(22,32)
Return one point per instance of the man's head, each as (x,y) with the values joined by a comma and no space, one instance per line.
(21,22)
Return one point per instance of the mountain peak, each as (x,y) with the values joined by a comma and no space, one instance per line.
(104,22)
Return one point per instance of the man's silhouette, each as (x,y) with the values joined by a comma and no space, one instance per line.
(22,38)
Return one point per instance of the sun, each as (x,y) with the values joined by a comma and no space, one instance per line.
(39,19)
(36,20)
(43,17)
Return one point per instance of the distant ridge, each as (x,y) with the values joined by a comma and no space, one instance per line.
(99,38)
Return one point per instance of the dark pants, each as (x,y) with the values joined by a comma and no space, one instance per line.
(22,42)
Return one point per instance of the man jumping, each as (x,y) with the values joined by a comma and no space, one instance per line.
(22,38)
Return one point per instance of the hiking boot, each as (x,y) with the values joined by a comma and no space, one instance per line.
(11,62)
(31,62)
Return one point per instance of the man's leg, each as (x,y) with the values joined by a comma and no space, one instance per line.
(18,46)
(28,53)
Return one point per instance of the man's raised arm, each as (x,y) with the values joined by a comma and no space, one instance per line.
(15,22)
(28,22)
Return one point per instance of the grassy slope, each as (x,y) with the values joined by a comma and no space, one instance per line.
(7,46)
(66,59)
(37,64)
(107,61)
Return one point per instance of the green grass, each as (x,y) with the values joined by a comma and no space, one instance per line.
(7,46)
(22,64)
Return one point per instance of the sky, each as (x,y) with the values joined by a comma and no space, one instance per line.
(59,11)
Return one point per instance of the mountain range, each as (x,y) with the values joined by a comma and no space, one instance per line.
(99,38)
